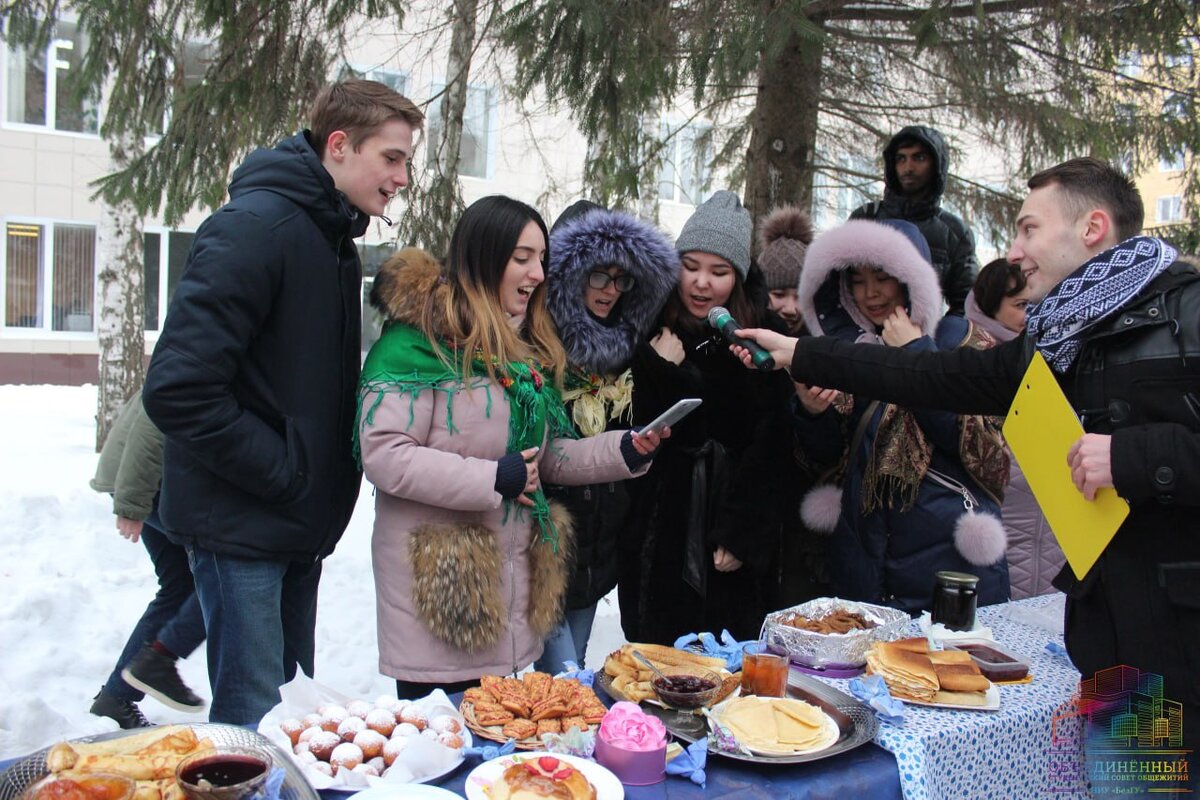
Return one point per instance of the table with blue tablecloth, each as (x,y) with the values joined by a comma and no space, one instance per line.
(1016,751)
(935,754)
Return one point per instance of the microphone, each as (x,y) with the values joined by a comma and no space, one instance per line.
(720,318)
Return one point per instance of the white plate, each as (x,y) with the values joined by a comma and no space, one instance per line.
(407,791)
(992,696)
(482,777)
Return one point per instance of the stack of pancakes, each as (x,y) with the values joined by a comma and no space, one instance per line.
(912,672)
(778,725)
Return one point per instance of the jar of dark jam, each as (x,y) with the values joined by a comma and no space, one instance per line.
(954,600)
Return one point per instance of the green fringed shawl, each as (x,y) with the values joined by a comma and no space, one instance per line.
(405,362)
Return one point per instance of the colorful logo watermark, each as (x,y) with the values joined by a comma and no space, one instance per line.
(1119,736)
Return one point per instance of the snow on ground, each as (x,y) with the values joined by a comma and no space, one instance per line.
(72,588)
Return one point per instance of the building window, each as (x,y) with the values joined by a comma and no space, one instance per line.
(191,69)
(1130,64)
(373,256)
(1171,163)
(684,175)
(476,134)
(50,276)
(170,248)
(1170,209)
(42,85)
(393,79)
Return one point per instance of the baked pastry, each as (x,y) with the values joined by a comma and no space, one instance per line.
(540,778)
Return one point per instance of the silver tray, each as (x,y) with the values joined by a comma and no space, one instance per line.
(856,723)
(32,769)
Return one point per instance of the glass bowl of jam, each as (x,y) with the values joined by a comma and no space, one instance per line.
(686,687)
(227,773)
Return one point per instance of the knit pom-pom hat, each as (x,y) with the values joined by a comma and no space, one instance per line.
(784,237)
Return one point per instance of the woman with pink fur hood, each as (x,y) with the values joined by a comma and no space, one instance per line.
(915,491)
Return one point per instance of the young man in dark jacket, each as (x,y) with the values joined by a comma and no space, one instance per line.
(1118,320)
(253,383)
(915,164)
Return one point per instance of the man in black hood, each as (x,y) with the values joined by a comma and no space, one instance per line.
(253,382)
(915,164)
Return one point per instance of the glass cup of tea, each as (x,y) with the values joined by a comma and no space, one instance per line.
(764,674)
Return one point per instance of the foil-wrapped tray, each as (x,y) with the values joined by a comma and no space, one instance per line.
(831,650)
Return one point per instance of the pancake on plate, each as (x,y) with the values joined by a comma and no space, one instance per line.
(778,726)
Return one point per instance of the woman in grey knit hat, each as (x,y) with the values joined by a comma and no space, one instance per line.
(699,552)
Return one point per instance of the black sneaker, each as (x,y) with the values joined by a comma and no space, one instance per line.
(157,676)
(127,714)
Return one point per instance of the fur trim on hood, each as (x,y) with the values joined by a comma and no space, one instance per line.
(823,290)
(404,282)
(595,239)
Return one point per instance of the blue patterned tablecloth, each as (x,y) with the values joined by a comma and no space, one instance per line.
(944,754)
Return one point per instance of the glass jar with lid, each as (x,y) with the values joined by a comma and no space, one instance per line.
(954,600)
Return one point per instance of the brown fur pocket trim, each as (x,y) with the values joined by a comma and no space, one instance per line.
(549,572)
(456,584)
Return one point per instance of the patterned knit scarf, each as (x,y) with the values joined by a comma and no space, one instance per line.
(1095,291)
(405,362)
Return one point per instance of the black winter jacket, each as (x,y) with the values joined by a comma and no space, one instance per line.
(951,242)
(721,474)
(253,378)
(1136,379)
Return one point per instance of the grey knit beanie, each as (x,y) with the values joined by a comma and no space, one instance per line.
(784,238)
(722,227)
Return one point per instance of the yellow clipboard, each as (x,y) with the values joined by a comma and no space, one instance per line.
(1040,428)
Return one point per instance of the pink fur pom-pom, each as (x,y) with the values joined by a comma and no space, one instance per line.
(980,538)
(821,508)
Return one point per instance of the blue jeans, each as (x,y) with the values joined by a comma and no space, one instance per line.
(261,617)
(567,642)
(173,617)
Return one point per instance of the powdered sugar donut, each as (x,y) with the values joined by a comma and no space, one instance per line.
(451,740)
(381,720)
(358,708)
(322,744)
(392,704)
(306,758)
(366,769)
(414,716)
(345,756)
(351,727)
(308,733)
(393,749)
(405,729)
(293,728)
(311,720)
(322,768)
(445,724)
(371,742)
(301,747)
(430,733)
(378,763)
(332,716)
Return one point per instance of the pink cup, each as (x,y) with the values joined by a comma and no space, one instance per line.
(632,767)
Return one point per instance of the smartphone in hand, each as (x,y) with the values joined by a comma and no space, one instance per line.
(672,415)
